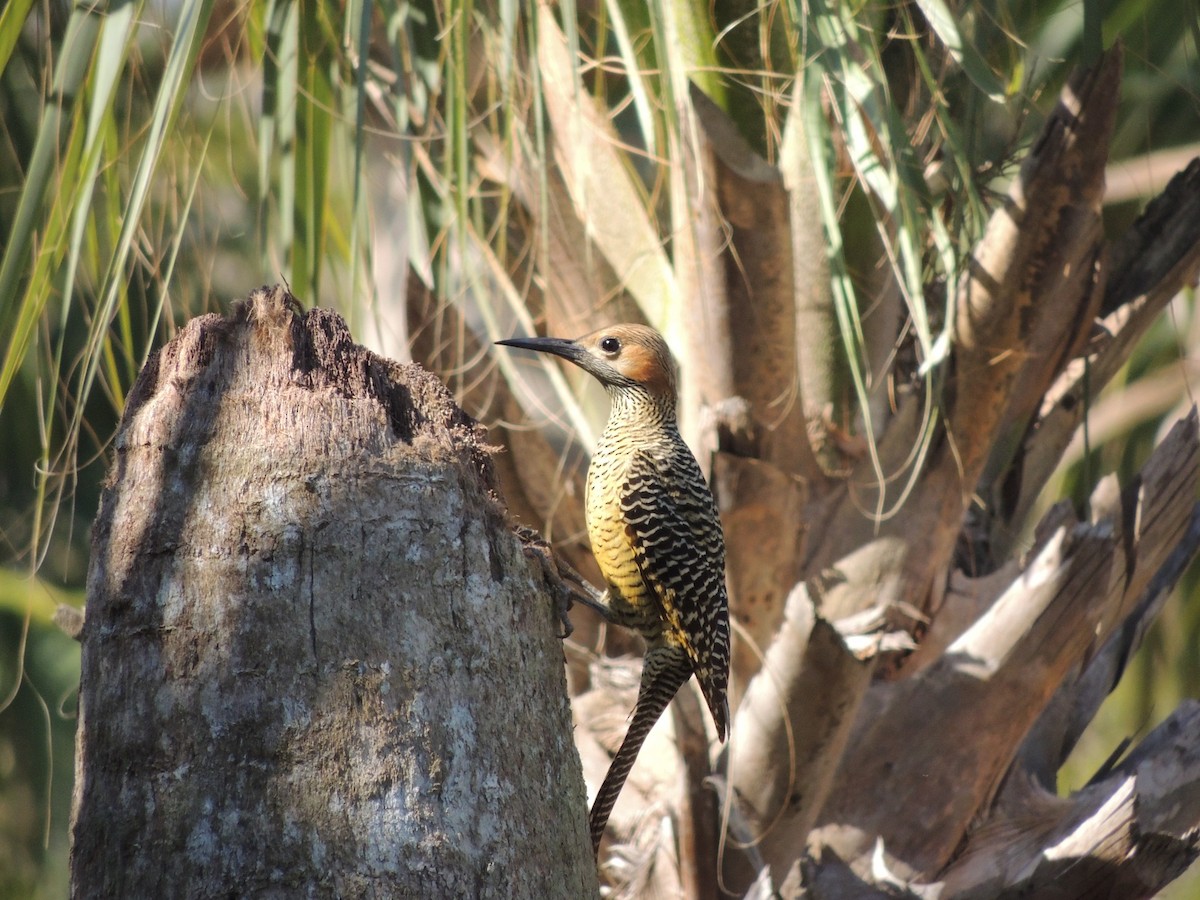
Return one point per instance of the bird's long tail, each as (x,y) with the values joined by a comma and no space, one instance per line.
(665,670)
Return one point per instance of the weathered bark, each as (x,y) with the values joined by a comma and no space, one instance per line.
(918,742)
(792,727)
(1123,837)
(923,751)
(703,327)
(822,369)
(768,299)
(1031,273)
(315,659)
(1147,267)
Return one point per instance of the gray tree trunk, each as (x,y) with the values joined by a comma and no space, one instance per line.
(316,661)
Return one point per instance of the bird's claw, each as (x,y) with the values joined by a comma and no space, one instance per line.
(538,548)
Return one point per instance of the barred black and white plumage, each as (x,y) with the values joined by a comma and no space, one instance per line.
(655,534)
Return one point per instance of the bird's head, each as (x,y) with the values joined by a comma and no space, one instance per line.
(620,357)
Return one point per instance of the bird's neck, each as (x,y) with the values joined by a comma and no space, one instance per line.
(640,411)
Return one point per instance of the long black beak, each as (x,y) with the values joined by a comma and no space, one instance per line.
(558,346)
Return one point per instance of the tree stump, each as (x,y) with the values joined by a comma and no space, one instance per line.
(316,661)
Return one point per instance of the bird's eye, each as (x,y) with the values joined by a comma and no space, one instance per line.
(610,344)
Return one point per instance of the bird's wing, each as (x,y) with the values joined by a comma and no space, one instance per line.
(672,525)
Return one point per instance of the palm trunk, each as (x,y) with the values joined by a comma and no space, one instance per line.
(315,659)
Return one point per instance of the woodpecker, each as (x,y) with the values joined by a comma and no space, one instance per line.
(655,533)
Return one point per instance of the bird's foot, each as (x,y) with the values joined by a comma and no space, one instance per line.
(539,550)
